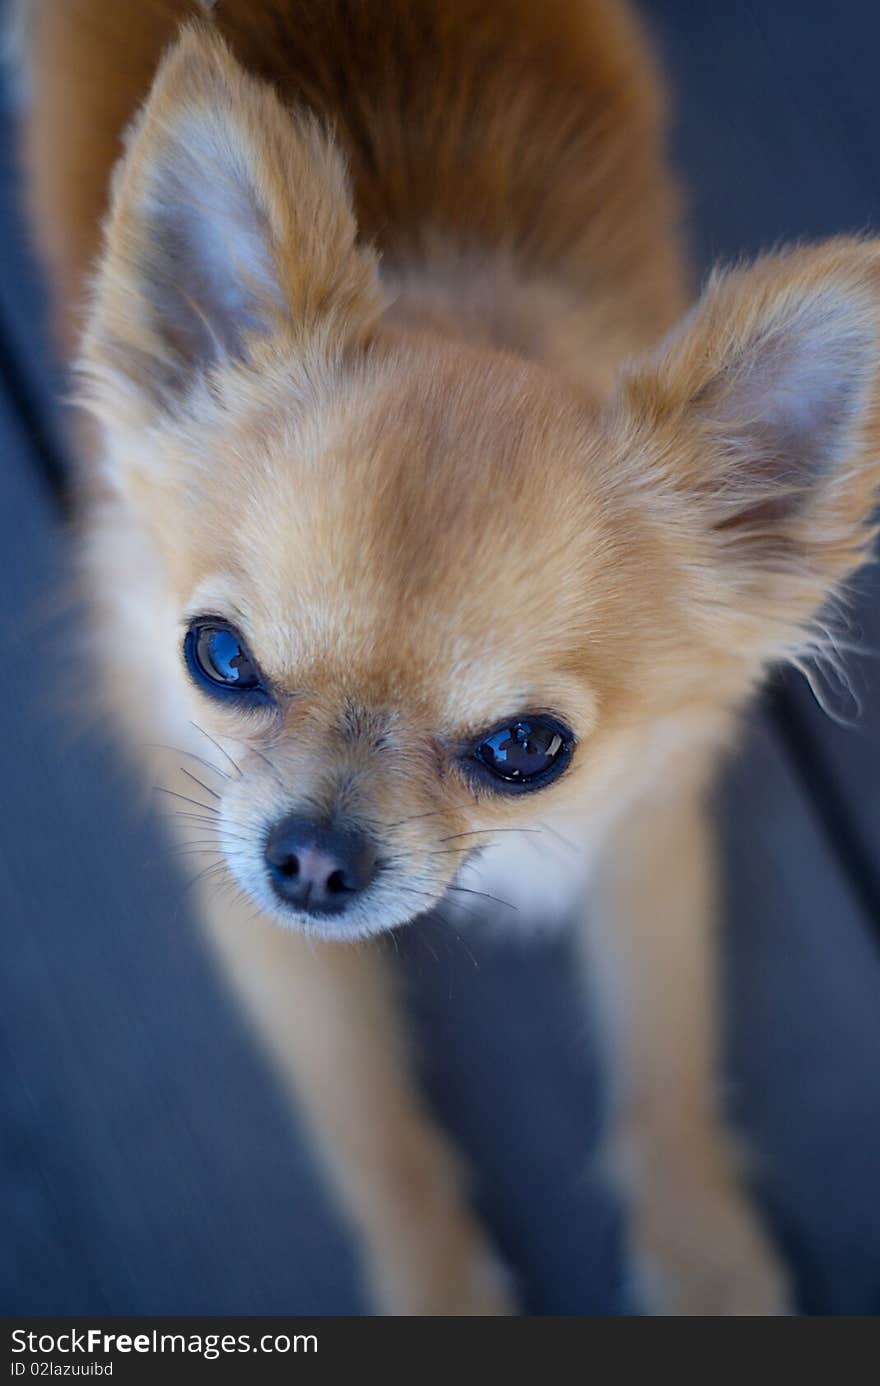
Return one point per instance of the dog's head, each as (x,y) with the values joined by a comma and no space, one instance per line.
(415,593)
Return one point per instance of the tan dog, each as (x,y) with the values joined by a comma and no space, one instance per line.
(403,528)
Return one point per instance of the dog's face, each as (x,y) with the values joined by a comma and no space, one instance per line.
(399,606)
(416,594)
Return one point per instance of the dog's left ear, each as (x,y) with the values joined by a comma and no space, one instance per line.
(762,412)
(230,228)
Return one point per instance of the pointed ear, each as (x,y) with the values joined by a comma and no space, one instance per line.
(761,413)
(230,224)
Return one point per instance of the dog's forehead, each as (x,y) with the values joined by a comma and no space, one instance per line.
(426,532)
(463,651)
(449,668)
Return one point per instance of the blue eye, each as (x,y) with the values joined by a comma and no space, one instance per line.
(527,753)
(218,658)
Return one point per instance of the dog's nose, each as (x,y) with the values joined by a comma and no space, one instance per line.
(316,869)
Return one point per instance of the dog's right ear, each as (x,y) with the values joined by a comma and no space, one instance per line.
(230,229)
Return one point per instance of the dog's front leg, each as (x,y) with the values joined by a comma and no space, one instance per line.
(695,1245)
(328,1014)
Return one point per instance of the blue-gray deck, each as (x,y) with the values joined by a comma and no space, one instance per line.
(778,134)
(147,1164)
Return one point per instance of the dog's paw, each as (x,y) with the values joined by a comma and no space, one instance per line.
(707,1256)
(454,1274)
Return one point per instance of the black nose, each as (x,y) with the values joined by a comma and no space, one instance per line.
(316,869)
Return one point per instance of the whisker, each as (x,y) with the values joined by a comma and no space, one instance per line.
(416,817)
(554,832)
(225,844)
(215,841)
(456,851)
(181,751)
(160,789)
(212,869)
(214,821)
(475,831)
(465,890)
(426,943)
(426,894)
(201,783)
(433,896)
(236,767)
(387,938)
(266,761)
(460,937)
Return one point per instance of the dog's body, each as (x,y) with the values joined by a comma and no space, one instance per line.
(438,525)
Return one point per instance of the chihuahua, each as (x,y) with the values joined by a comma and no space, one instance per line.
(421,510)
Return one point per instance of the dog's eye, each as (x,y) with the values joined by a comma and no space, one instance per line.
(218,657)
(527,753)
